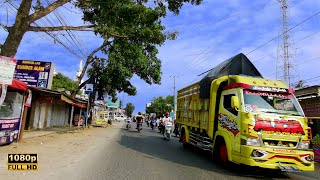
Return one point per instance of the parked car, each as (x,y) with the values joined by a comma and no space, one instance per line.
(120,118)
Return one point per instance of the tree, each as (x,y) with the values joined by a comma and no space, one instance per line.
(129,109)
(25,21)
(60,81)
(132,31)
(161,105)
(131,41)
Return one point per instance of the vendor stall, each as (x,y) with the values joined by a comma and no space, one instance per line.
(11,109)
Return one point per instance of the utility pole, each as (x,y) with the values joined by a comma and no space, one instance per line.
(286,61)
(174,95)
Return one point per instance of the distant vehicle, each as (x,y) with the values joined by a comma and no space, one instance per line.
(120,118)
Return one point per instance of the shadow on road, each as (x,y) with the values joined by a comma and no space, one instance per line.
(153,144)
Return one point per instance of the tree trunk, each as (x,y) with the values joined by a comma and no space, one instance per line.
(16,32)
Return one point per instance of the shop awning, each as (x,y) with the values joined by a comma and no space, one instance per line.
(17,85)
(73,101)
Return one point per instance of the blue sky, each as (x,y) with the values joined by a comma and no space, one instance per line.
(208,34)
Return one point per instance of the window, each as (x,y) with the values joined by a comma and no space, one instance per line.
(227,104)
(271,102)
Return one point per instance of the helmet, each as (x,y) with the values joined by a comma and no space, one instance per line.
(139,113)
(167,113)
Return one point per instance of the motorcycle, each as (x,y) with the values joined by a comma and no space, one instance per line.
(160,126)
(167,130)
(128,126)
(139,126)
(153,124)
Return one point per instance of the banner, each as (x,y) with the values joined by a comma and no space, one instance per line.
(3,94)
(7,66)
(10,117)
(28,101)
(34,73)
(9,130)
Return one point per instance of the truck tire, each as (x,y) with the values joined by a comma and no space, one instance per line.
(184,140)
(223,153)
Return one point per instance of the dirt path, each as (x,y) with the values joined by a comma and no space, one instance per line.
(56,152)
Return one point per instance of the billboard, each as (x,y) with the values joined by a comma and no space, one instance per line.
(35,73)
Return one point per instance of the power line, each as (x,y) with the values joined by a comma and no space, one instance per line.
(52,36)
(284,32)
(199,55)
(75,40)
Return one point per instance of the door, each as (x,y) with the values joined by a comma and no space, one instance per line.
(229,118)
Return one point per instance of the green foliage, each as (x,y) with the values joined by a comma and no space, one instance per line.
(129,109)
(132,31)
(60,81)
(38,6)
(161,105)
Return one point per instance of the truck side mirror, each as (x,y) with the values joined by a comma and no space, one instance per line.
(235,103)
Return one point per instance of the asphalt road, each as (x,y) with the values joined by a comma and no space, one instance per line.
(128,154)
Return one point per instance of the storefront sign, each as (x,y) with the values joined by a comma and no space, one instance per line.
(7,66)
(35,73)
(9,130)
(113,104)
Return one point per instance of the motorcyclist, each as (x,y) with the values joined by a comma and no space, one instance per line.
(153,122)
(128,122)
(165,120)
(139,119)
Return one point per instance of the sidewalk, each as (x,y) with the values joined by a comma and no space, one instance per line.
(48,131)
(57,148)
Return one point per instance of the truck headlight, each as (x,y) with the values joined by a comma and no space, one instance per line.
(303,145)
(253,142)
(308,158)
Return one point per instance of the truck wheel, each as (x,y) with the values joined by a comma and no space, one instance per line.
(184,140)
(223,153)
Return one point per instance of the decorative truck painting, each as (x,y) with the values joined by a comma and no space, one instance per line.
(228,124)
(291,127)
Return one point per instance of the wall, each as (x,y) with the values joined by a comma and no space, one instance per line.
(49,114)
(60,114)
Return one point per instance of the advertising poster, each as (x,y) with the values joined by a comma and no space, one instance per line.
(10,117)
(9,130)
(35,73)
(7,66)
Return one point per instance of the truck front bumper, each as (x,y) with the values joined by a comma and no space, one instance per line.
(271,158)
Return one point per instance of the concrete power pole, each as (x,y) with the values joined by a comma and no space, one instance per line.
(174,95)
(285,55)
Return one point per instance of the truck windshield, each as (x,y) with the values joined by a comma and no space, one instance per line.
(270,102)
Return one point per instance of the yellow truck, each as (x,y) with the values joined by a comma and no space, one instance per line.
(240,117)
